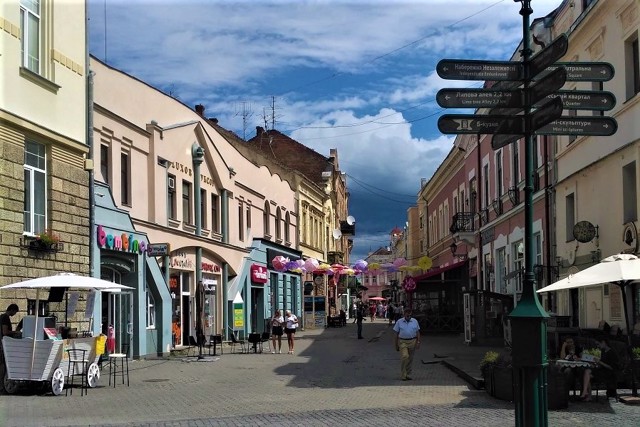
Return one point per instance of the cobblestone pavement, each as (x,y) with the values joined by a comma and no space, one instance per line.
(333,379)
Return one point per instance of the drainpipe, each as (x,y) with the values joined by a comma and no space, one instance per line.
(89,166)
(480,273)
(197,154)
(547,219)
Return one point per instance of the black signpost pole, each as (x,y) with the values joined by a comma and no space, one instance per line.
(528,319)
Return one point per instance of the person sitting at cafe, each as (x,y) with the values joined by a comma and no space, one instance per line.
(569,351)
(6,329)
(605,371)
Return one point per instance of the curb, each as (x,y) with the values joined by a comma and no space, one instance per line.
(477,383)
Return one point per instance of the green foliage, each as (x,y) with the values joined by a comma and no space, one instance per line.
(636,353)
(490,359)
(48,237)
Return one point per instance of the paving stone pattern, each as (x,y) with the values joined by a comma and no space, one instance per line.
(333,379)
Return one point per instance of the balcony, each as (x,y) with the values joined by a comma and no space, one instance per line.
(463,227)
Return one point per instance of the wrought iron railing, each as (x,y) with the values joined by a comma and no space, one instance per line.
(461,222)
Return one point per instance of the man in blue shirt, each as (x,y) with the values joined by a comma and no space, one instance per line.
(407,341)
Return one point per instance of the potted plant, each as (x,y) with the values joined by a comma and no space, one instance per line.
(498,375)
(486,367)
(45,240)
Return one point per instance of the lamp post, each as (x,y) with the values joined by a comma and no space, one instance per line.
(528,319)
(197,155)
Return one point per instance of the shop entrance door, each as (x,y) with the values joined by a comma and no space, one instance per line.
(116,310)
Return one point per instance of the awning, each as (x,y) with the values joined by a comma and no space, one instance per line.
(440,270)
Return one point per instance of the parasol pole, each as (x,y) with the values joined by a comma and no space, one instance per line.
(623,291)
(35,333)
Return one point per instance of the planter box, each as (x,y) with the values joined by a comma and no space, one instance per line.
(498,382)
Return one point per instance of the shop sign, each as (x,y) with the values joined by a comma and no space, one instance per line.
(259,274)
(123,242)
(181,261)
(209,267)
(158,249)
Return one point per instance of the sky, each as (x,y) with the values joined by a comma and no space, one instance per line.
(357,75)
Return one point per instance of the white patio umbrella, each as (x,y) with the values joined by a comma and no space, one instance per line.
(620,270)
(62,280)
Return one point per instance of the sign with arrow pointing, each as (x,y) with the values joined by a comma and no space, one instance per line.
(549,112)
(594,126)
(584,100)
(476,124)
(479,98)
(471,69)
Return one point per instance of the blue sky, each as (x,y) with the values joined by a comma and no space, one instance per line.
(354,75)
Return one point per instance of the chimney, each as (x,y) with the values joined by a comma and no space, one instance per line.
(259,130)
(200,110)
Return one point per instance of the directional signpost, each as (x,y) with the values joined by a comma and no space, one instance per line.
(525,102)
(583,100)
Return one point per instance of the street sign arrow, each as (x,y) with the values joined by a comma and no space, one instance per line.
(551,83)
(549,112)
(587,125)
(548,55)
(471,69)
(583,100)
(588,71)
(479,98)
(479,124)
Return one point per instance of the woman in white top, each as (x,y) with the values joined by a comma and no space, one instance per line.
(276,330)
(290,329)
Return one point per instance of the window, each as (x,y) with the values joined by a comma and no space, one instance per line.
(215,220)
(518,262)
(629,193)
(125,181)
(287,224)
(265,219)
(104,162)
(570,216)
(486,186)
(171,196)
(537,243)
(279,225)
(151,314)
(35,188)
(240,221)
(500,271)
(632,66)
(248,217)
(186,202)
(203,208)
(30,34)
(499,174)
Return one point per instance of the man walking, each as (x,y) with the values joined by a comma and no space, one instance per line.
(359,319)
(407,341)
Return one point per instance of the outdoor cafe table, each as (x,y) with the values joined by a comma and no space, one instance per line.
(574,363)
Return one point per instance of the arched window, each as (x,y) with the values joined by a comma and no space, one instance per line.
(266,216)
(278,224)
(287,225)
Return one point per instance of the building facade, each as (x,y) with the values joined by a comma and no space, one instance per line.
(44,182)
(185,187)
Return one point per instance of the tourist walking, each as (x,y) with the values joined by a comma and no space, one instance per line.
(277,322)
(290,329)
(359,319)
(407,340)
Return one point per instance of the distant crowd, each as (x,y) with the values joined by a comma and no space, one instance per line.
(377,310)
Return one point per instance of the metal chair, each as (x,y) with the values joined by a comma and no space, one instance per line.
(124,365)
(77,361)
(214,340)
(266,337)
(256,341)
(235,341)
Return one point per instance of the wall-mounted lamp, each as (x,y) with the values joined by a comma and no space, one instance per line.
(173,295)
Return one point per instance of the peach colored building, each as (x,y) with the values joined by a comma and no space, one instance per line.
(166,168)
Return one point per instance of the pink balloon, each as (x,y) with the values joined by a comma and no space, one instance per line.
(280,263)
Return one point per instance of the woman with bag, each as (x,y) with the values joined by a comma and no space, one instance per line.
(276,331)
(290,329)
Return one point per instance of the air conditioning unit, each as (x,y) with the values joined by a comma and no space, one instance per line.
(172,183)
